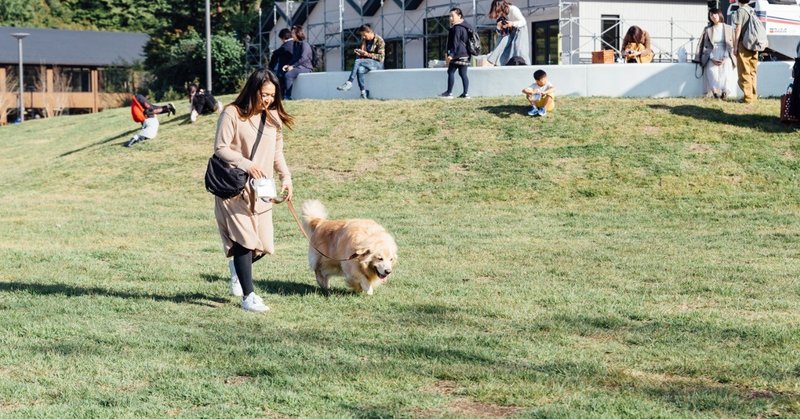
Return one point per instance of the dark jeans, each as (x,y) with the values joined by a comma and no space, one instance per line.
(363,66)
(291,76)
(451,77)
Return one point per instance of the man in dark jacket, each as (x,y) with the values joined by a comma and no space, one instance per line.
(457,53)
(281,57)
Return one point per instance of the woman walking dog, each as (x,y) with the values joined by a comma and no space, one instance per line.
(245,220)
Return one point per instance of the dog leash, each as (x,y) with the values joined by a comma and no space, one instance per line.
(300,226)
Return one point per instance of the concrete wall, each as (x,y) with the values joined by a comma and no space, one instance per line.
(611,80)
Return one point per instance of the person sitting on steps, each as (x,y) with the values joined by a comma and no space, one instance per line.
(370,57)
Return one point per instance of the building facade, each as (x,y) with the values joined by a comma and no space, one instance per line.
(562,32)
(66,71)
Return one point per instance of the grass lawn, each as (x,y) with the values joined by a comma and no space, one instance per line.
(618,257)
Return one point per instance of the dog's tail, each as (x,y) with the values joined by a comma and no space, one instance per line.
(313,213)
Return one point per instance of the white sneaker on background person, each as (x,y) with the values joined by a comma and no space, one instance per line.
(254,303)
(235,286)
(193,116)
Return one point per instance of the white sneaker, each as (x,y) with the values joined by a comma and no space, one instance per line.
(235,286)
(345,86)
(193,116)
(254,303)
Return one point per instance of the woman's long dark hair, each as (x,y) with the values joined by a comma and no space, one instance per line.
(634,34)
(499,8)
(250,97)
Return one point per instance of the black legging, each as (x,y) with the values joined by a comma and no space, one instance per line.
(243,263)
(451,76)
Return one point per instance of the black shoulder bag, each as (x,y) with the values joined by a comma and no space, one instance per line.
(225,181)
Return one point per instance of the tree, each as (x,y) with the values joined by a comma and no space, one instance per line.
(179,58)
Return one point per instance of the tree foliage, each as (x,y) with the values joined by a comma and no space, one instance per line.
(176,51)
(179,58)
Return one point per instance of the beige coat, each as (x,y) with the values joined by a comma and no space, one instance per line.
(244,219)
(706,44)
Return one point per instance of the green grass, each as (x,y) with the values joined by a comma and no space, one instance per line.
(617,258)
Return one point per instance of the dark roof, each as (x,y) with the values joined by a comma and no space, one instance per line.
(66,47)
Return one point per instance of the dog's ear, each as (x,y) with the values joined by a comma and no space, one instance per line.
(360,253)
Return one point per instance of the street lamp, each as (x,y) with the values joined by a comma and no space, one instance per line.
(208,46)
(19,36)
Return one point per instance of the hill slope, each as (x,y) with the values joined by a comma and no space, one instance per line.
(619,257)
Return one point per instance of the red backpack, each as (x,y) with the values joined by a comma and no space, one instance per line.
(137,110)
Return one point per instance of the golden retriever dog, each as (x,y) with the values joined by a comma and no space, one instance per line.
(360,250)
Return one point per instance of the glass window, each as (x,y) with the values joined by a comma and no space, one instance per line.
(79,79)
(350,42)
(319,56)
(114,80)
(394,54)
(609,28)
(545,42)
(436,29)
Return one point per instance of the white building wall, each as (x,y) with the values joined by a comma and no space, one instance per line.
(671,25)
(581,36)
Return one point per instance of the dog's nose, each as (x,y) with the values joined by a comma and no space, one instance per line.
(388,271)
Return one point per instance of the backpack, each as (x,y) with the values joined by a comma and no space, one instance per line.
(474,43)
(754,37)
(137,110)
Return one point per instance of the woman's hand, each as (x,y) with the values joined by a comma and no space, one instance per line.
(287,187)
(287,68)
(255,172)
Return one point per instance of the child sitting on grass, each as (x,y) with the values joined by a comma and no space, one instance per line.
(540,94)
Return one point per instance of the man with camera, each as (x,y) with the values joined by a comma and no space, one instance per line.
(369,57)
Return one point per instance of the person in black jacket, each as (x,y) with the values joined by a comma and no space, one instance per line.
(457,54)
(282,56)
(300,62)
(795,105)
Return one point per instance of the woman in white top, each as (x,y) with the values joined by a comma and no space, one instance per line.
(715,54)
(513,31)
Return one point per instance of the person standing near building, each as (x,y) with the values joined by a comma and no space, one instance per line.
(715,54)
(457,54)
(746,60)
(282,56)
(370,57)
(513,30)
(300,62)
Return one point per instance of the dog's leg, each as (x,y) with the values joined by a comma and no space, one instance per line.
(366,286)
(323,281)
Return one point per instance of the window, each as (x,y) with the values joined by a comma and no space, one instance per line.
(609,28)
(350,41)
(545,42)
(79,78)
(394,54)
(114,80)
(318,54)
(436,29)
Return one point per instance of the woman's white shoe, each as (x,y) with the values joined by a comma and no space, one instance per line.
(254,303)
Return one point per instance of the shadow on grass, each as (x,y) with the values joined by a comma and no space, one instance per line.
(765,123)
(505,111)
(71,291)
(295,288)
(101,142)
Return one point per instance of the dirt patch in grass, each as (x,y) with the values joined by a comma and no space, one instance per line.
(9,407)
(651,130)
(700,148)
(788,155)
(238,379)
(761,394)
(463,406)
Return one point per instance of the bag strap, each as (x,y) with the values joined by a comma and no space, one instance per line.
(260,132)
